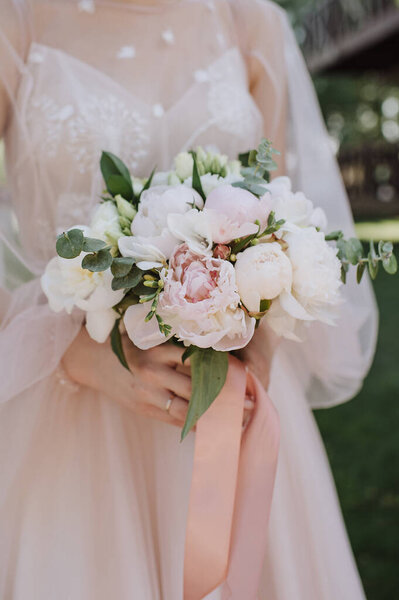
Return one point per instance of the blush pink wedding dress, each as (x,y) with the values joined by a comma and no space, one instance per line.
(93,498)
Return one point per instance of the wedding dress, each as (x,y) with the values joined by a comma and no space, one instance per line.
(93,498)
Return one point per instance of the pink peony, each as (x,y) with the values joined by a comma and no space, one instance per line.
(237,210)
(200,302)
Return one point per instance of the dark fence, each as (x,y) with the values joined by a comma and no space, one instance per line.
(336,28)
(371,176)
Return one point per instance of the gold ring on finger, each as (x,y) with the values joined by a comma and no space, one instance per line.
(169,403)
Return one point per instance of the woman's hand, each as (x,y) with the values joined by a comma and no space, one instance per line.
(147,390)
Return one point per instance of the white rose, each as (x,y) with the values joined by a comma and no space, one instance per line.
(263,272)
(294,208)
(67,285)
(183,164)
(156,204)
(105,223)
(316,275)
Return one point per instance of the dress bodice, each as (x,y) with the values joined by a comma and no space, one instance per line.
(143,102)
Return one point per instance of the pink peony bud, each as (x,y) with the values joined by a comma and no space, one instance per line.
(221,251)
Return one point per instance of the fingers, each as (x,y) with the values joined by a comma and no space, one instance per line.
(169,354)
(177,383)
(176,415)
(152,412)
(178,410)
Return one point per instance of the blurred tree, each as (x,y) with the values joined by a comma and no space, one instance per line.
(358,108)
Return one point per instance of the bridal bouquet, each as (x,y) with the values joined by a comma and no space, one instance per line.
(199,255)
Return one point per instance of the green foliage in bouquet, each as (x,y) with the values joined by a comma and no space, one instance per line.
(208,367)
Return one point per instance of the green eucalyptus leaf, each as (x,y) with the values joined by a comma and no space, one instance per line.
(344,271)
(70,243)
(121,266)
(255,189)
(360,271)
(387,248)
(390,264)
(98,261)
(372,265)
(354,250)
(341,247)
(128,281)
(334,236)
(116,344)
(93,244)
(208,375)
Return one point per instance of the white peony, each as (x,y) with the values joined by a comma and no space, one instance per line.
(162,178)
(294,208)
(105,223)
(316,279)
(193,227)
(263,272)
(156,204)
(209,181)
(66,285)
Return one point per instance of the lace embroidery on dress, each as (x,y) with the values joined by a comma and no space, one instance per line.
(73,209)
(107,122)
(45,110)
(229,102)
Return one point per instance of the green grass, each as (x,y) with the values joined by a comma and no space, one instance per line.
(362,442)
(386,229)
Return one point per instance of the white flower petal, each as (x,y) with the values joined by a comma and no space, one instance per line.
(143,335)
(293,307)
(99,324)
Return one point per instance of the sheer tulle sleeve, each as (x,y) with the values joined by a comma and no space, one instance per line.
(32,338)
(333,361)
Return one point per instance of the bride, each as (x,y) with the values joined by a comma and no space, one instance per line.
(94,483)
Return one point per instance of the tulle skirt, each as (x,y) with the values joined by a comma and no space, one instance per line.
(93,502)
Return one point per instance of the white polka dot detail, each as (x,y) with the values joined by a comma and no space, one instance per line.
(87,6)
(158,111)
(126,52)
(168,37)
(201,76)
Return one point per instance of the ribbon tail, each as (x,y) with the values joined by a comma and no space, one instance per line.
(256,478)
(213,488)
(231,492)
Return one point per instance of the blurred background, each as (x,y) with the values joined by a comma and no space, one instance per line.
(352,50)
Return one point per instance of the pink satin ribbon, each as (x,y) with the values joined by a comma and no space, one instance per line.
(231,492)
